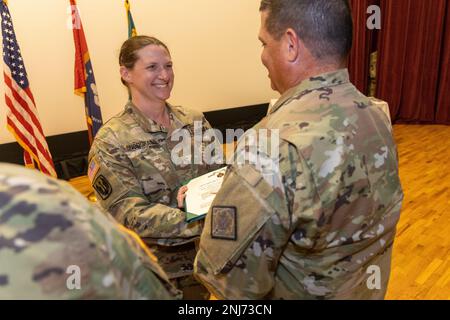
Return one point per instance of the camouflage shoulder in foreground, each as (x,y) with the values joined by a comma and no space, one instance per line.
(54,244)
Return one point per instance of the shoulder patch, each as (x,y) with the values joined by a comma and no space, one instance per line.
(223,223)
(103,187)
(92,169)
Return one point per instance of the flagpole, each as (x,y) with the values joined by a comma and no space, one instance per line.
(131,28)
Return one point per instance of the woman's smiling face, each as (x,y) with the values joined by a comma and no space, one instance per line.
(152,75)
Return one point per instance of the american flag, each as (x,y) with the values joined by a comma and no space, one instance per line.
(22,116)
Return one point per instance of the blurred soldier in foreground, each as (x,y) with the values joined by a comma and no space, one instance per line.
(317,218)
(54,244)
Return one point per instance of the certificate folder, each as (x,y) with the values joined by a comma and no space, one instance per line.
(201,193)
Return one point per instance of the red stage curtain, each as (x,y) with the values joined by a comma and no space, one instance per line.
(410,58)
(443,108)
(363,44)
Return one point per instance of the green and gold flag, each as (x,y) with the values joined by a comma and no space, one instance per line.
(131,27)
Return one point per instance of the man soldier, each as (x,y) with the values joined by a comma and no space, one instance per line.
(316,220)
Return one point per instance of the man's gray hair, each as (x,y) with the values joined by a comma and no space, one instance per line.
(325,26)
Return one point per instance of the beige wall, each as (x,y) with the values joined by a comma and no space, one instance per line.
(214,47)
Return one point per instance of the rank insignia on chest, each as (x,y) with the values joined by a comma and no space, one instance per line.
(103,187)
(224,223)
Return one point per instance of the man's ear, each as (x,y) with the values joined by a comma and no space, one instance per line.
(292,45)
(125,74)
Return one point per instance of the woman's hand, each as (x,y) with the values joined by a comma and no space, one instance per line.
(181,195)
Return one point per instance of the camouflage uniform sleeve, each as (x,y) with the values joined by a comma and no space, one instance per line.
(54,244)
(120,193)
(246,230)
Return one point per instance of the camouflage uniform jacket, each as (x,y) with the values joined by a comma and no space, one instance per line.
(54,244)
(322,224)
(135,180)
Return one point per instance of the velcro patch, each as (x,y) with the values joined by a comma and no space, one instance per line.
(92,169)
(223,223)
(103,187)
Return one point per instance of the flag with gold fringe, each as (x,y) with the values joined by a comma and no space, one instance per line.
(21,112)
(84,75)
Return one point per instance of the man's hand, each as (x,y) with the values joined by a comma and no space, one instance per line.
(181,195)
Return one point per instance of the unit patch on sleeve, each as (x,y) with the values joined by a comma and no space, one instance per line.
(103,187)
(223,223)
